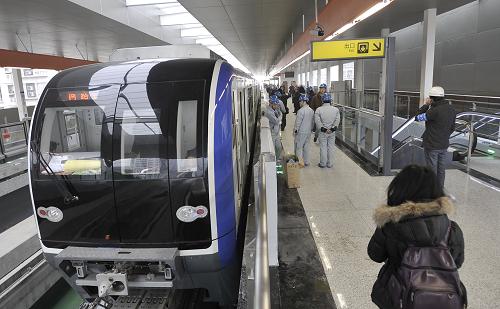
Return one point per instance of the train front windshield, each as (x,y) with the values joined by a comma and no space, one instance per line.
(131,154)
(71,135)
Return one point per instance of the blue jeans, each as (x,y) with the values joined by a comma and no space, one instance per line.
(436,160)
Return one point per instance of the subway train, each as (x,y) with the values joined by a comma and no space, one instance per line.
(137,171)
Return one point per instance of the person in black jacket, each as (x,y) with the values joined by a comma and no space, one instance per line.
(295,98)
(283,96)
(416,214)
(439,118)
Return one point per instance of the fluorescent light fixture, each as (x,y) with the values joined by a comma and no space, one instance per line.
(174,16)
(208,41)
(273,72)
(372,10)
(148,2)
(173,10)
(177,19)
(195,32)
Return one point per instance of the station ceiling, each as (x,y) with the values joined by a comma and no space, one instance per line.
(400,14)
(63,28)
(254,31)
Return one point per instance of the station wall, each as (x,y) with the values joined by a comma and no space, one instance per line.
(467,56)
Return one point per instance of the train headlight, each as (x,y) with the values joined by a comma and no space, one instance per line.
(53,214)
(190,213)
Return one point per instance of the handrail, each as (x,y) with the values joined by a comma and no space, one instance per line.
(12,124)
(262,296)
(484,115)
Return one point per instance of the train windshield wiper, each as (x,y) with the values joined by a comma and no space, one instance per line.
(67,189)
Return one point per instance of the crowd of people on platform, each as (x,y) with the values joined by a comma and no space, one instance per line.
(421,248)
(315,114)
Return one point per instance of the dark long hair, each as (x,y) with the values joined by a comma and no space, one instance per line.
(414,183)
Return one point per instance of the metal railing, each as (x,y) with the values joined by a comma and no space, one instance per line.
(266,221)
(262,289)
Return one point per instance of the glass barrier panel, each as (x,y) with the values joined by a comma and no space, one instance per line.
(13,137)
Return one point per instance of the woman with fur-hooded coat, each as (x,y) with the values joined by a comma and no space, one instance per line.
(416,213)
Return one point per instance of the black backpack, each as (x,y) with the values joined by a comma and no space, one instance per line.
(427,279)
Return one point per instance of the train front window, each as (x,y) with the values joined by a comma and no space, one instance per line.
(71,134)
(140,141)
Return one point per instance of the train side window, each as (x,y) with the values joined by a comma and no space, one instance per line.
(73,139)
(140,139)
(186,127)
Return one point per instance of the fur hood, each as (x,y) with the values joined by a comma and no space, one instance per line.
(385,213)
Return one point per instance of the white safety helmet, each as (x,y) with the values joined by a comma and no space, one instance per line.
(436,92)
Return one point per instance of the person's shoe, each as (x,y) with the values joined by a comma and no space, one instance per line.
(329,165)
(315,139)
(307,164)
(321,165)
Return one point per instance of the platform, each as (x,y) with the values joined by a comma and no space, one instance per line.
(339,203)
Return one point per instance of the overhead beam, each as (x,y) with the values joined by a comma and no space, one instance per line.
(12,58)
(334,15)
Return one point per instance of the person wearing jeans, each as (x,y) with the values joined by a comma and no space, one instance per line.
(439,117)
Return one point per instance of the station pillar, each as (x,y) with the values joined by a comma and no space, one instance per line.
(428,48)
(19,93)
(383,77)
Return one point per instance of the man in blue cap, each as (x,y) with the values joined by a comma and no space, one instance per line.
(273,113)
(302,130)
(327,118)
(316,102)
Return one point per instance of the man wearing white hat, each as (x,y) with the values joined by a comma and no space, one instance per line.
(439,117)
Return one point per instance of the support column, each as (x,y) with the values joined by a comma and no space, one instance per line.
(328,79)
(341,71)
(381,94)
(359,81)
(318,74)
(390,82)
(4,90)
(19,92)
(309,72)
(428,48)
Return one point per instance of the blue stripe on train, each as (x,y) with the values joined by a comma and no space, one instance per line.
(223,166)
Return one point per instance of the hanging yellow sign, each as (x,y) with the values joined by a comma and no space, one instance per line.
(347,49)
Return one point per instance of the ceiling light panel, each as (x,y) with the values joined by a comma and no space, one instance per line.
(173,10)
(148,2)
(208,41)
(195,32)
(177,19)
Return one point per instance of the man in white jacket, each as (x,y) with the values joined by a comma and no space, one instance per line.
(302,130)
(327,119)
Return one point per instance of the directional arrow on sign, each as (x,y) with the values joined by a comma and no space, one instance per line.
(377,47)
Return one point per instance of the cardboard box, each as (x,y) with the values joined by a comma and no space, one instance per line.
(293,175)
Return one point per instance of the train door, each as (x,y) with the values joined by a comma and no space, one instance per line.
(140,167)
(159,164)
(187,127)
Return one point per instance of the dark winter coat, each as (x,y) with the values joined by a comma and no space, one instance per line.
(439,125)
(421,224)
(295,99)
